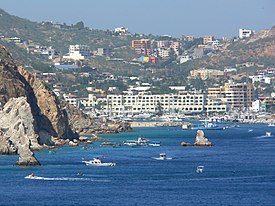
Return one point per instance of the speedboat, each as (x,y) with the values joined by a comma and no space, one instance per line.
(200,169)
(271,125)
(162,156)
(34,177)
(268,134)
(98,162)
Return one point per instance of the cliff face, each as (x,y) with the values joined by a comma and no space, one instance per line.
(17,133)
(53,119)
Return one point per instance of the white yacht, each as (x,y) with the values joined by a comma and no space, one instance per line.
(200,169)
(98,162)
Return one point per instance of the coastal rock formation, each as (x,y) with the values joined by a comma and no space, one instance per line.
(201,140)
(53,118)
(17,132)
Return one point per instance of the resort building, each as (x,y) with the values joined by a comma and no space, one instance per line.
(78,52)
(235,95)
(145,102)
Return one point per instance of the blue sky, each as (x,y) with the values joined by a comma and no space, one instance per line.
(173,17)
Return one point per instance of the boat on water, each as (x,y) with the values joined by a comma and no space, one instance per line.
(162,156)
(268,134)
(97,162)
(141,142)
(205,126)
(271,125)
(154,144)
(31,176)
(200,169)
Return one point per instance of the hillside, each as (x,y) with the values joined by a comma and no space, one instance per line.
(258,49)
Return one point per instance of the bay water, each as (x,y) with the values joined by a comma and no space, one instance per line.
(238,170)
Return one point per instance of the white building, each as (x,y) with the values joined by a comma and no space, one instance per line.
(146,102)
(121,30)
(244,33)
(184,58)
(163,52)
(78,52)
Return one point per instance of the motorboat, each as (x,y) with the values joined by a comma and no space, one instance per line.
(31,176)
(271,125)
(200,169)
(205,126)
(154,144)
(139,142)
(98,162)
(142,141)
(162,156)
(131,143)
(268,134)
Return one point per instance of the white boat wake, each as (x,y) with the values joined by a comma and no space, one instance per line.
(64,179)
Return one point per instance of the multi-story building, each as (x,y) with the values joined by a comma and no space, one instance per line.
(142,46)
(164,52)
(188,38)
(207,39)
(244,33)
(78,52)
(204,73)
(235,95)
(146,102)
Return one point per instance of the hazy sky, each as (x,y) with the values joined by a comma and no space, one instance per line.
(173,17)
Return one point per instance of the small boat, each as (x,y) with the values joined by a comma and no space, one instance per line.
(107,144)
(271,125)
(200,169)
(154,144)
(162,156)
(131,143)
(250,130)
(268,134)
(31,176)
(98,162)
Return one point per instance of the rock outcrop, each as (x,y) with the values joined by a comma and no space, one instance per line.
(201,140)
(17,132)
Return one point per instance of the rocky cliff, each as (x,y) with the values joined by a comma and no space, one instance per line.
(17,132)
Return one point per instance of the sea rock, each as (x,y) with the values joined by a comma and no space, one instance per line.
(18,134)
(201,140)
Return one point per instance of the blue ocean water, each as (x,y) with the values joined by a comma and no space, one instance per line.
(239,170)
